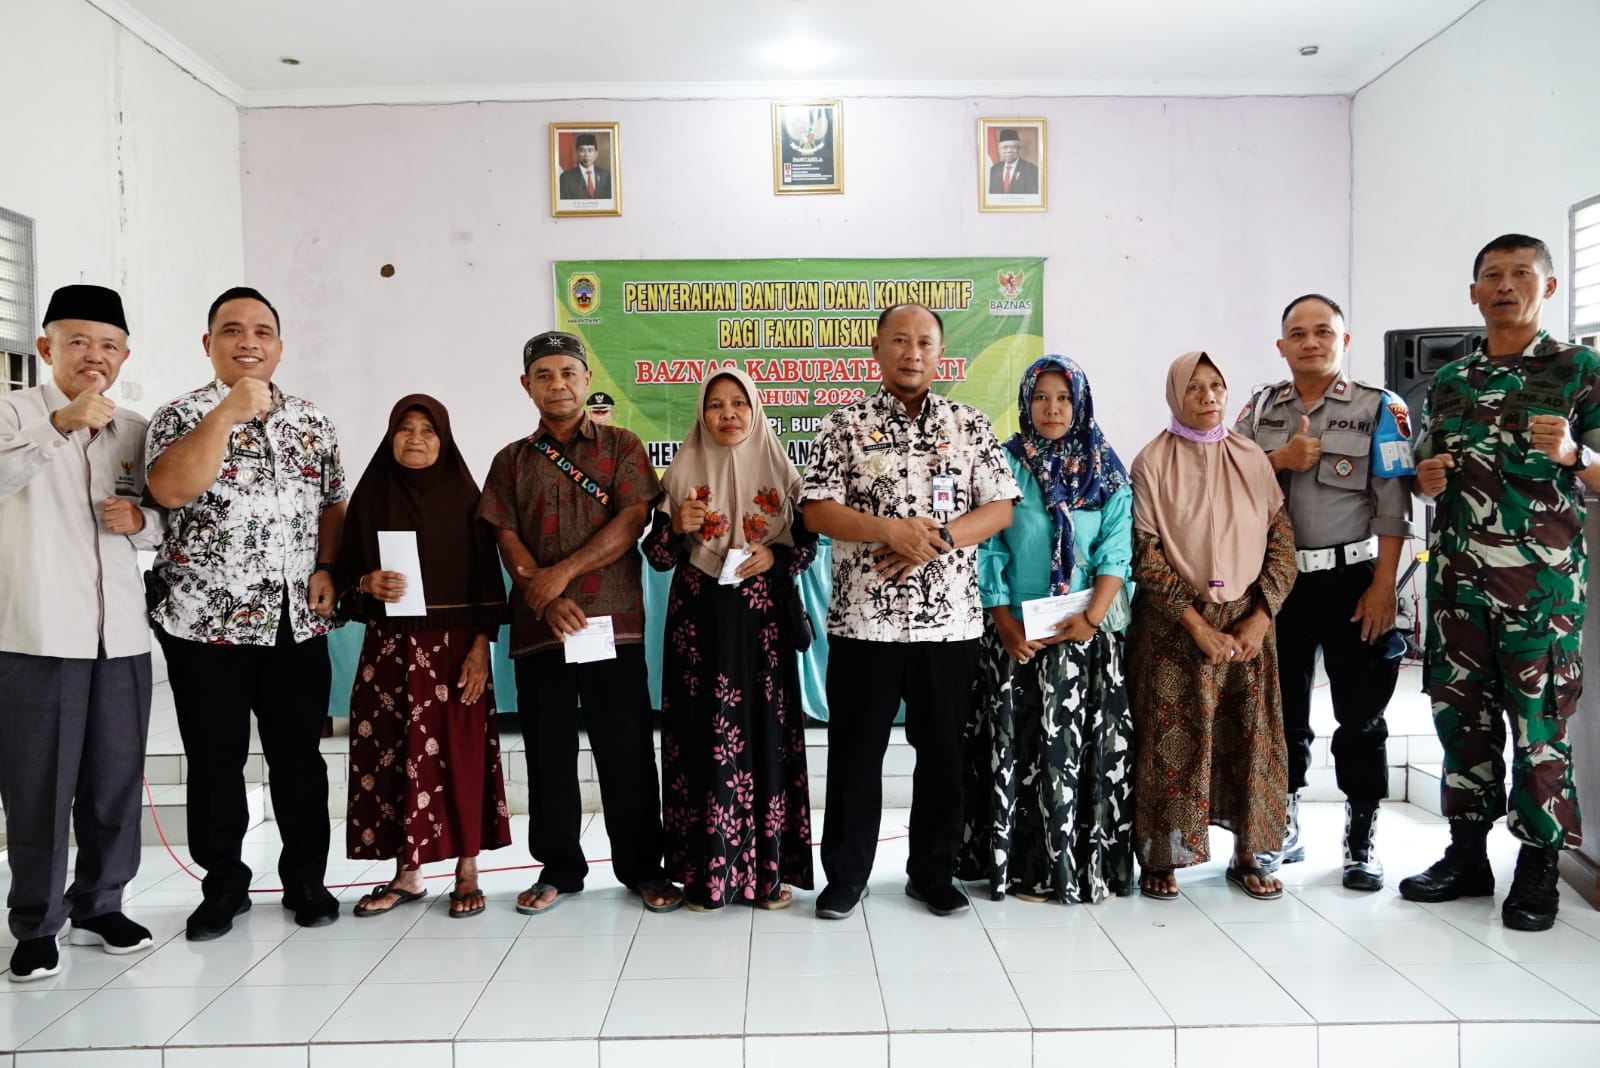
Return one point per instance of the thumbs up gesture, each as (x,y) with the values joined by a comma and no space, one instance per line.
(1302,452)
(88,410)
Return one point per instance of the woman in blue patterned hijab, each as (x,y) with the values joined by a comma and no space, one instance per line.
(1075,470)
(1049,784)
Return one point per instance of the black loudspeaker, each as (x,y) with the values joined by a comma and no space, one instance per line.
(1410,357)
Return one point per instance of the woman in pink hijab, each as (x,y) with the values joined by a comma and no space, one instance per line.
(1213,562)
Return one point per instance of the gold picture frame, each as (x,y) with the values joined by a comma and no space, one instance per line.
(807,147)
(1028,188)
(574,190)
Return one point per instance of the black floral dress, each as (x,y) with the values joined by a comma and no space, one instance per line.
(735,800)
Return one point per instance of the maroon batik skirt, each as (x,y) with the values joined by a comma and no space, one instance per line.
(425,780)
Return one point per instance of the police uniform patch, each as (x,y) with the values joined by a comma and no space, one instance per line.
(1343,467)
(1402,417)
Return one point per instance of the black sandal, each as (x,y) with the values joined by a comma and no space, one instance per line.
(1161,874)
(462,897)
(1239,873)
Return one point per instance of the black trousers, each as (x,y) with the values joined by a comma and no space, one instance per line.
(615,700)
(866,683)
(1360,680)
(215,689)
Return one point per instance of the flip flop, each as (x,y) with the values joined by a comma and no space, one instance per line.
(1237,874)
(784,899)
(661,888)
(539,888)
(483,903)
(402,897)
(1157,895)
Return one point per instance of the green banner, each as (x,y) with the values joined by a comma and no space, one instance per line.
(802,330)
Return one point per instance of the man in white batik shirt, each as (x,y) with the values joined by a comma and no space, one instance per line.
(907,484)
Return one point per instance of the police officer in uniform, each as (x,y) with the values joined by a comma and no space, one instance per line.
(1342,454)
(1510,448)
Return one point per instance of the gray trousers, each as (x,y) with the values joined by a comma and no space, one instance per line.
(72,740)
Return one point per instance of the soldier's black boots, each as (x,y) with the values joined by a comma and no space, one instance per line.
(1531,904)
(1464,871)
(1362,868)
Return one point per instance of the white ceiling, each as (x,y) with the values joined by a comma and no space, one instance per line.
(393,51)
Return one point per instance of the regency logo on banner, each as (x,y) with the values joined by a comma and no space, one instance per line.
(802,330)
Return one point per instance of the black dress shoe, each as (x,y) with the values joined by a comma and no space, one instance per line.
(1531,905)
(837,901)
(1464,870)
(316,910)
(942,899)
(214,917)
(35,959)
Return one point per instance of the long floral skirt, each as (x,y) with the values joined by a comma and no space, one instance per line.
(735,799)
(425,780)
(1050,779)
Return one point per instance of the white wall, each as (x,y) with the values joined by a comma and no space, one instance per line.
(130,170)
(1492,127)
(1173,225)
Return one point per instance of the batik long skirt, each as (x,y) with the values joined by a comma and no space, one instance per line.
(1211,749)
(425,780)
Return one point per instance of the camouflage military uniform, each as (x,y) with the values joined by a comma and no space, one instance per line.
(1506,585)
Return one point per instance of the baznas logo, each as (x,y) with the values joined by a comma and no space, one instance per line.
(1010,292)
(584,289)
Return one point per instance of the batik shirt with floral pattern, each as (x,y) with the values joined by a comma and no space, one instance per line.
(230,553)
(873,457)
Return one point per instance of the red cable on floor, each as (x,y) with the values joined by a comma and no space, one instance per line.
(156,819)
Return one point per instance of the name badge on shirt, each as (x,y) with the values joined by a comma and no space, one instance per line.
(944,493)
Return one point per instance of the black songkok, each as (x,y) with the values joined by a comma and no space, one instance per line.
(95,304)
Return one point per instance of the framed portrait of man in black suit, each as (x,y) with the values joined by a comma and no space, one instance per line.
(1011,165)
(585,168)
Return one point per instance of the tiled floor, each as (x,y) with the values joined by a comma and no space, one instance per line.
(1324,977)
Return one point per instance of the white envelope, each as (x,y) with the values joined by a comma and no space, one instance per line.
(397,551)
(594,642)
(1040,616)
(731,563)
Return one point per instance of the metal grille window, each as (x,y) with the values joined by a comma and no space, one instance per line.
(1585,275)
(18,369)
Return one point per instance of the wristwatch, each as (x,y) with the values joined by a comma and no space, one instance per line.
(944,533)
(1587,458)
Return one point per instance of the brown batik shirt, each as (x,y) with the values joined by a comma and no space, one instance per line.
(554,515)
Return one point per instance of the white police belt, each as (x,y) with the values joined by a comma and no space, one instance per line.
(1335,556)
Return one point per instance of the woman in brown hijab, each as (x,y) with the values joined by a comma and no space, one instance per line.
(1213,562)
(425,781)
